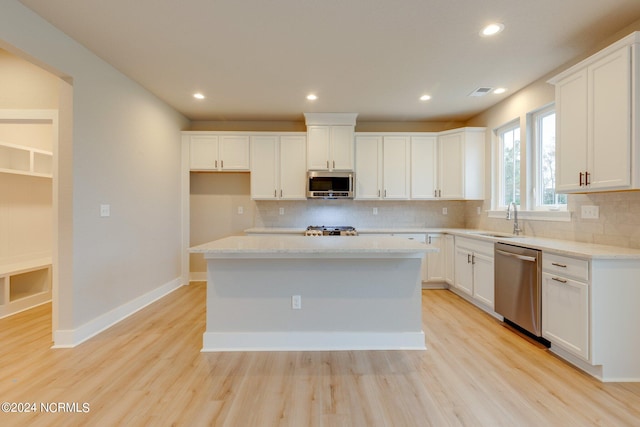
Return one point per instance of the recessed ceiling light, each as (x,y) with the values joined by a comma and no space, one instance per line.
(198,95)
(312,97)
(500,90)
(491,29)
(425,97)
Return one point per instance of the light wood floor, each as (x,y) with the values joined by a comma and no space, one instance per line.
(148,371)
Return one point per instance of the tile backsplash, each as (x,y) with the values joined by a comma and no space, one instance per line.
(618,223)
(360,214)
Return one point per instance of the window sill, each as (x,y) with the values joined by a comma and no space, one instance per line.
(560,216)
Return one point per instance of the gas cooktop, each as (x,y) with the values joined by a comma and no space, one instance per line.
(331,230)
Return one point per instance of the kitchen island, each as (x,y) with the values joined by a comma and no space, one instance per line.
(279,293)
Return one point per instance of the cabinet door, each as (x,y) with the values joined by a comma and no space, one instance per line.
(264,167)
(565,314)
(610,143)
(435,260)
(341,148)
(234,153)
(203,151)
(571,131)
(463,270)
(483,278)
(368,167)
(449,258)
(424,167)
(395,174)
(293,173)
(318,138)
(451,163)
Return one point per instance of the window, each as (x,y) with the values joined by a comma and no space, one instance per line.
(544,137)
(509,161)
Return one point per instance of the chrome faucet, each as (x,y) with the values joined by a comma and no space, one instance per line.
(516,226)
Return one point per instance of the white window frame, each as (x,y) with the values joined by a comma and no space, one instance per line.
(535,120)
(499,182)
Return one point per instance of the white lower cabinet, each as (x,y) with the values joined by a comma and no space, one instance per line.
(474,271)
(565,303)
(435,272)
(565,314)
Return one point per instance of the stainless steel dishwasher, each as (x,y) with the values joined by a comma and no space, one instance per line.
(518,286)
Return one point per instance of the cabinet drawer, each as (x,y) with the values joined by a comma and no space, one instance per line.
(565,266)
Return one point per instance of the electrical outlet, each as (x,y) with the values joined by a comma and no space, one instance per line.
(240,210)
(105,210)
(281,211)
(296,302)
(375,211)
(479,210)
(590,212)
(445,211)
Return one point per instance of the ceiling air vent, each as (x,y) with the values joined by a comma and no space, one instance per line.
(481,91)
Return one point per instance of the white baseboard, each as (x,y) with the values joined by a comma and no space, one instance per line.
(312,341)
(72,337)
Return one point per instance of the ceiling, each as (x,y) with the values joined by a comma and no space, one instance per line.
(258,59)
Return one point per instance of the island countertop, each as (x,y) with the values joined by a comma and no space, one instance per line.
(307,246)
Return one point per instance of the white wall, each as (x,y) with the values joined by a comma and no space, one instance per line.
(119,145)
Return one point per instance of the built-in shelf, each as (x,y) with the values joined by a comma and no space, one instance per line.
(18,159)
(24,285)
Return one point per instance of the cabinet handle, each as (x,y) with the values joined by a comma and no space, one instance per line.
(468,258)
(334,164)
(385,192)
(378,193)
(435,193)
(439,193)
(473,259)
(222,164)
(429,239)
(586,178)
(557,279)
(327,164)
(216,164)
(581,179)
(280,193)
(559,265)
(275,193)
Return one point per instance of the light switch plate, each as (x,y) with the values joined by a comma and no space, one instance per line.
(105,210)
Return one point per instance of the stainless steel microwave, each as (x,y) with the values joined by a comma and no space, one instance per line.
(330,185)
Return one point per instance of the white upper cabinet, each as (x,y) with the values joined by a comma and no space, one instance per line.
(216,152)
(396,158)
(382,167)
(461,164)
(330,148)
(421,166)
(597,115)
(368,167)
(278,167)
(424,167)
(330,141)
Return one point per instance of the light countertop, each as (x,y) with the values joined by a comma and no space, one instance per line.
(283,246)
(561,247)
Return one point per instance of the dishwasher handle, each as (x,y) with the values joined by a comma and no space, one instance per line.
(520,257)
